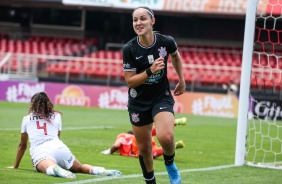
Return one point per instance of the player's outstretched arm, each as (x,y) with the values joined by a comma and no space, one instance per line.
(112,149)
(21,149)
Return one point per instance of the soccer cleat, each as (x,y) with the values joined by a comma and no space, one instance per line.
(179,144)
(173,174)
(114,173)
(63,173)
(180,121)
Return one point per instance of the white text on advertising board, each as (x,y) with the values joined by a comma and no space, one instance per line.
(211,106)
(22,92)
(114,99)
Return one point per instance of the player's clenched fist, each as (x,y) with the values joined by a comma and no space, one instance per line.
(158,65)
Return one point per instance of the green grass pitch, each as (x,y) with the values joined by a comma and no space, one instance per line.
(209,150)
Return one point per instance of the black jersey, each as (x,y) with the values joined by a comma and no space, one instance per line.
(138,58)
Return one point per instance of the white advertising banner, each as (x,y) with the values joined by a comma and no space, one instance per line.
(102,3)
(131,4)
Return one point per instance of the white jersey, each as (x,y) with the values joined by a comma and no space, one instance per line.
(44,140)
(39,130)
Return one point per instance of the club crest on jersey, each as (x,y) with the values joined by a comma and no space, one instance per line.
(162,52)
(135,117)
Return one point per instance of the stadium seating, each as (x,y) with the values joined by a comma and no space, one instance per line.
(203,65)
(47,45)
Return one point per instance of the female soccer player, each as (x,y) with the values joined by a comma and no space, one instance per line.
(42,126)
(150,100)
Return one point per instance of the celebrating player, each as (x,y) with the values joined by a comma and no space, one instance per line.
(42,126)
(149,98)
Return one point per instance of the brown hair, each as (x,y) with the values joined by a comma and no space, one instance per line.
(130,132)
(150,12)
(42,106)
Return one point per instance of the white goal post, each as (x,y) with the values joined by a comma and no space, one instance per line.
(245,82)
(259,136)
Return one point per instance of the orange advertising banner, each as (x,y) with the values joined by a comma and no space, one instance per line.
(235,7)
(211,6)
(207,104)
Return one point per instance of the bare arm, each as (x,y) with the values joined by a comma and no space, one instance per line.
(115,147)
(177,64)
(133,80)
(21,150)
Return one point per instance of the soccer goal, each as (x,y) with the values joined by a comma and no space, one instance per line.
(259,132)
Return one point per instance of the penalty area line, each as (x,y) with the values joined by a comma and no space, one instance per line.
(141,175)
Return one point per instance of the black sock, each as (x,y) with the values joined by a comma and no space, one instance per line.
(142,164)
(149,177)
(168,160)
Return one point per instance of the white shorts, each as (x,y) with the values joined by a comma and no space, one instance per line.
(54,149)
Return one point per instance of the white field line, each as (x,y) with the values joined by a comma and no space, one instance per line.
(94,180)
(140,175)
(69,128)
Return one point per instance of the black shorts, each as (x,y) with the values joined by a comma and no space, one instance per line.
(140,118)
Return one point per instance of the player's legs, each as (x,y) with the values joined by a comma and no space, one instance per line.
(84,168)
(77,167)
(44,164)
(143,135)
(142,124)
(164,123)
(63,157)
(44,159)
(50,167)
(95,170)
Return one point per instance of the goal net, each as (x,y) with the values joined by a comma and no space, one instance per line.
(263,146)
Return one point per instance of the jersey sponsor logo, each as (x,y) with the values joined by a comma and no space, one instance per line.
(151,59)
(135,117)
(133,93)
(44,141)
(155,77)
(138,57)
(163,108)
(162,52)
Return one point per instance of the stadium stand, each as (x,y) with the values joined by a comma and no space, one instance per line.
(87,47)
(204,66)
